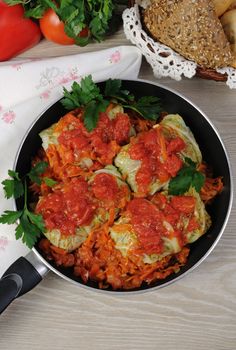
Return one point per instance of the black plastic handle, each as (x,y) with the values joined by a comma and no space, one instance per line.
(19,278)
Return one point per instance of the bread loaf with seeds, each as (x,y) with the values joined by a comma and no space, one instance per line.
(191,28)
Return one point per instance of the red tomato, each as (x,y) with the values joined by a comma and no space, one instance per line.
(53,29)
(17,33)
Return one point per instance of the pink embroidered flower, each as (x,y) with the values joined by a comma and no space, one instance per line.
(9,117)
(45,94)
(1,108)
(70,76)
(73,76)
(64,80)
(3,243)
(115,57)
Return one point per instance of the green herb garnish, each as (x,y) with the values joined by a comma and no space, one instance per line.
(36,171)
(188,176)
(30,225)
(49,182)
(13,187)
(147,106)
(88,95)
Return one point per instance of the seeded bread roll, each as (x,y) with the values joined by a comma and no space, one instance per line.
(191,28)
(221,6)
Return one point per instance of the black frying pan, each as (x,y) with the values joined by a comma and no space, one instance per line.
(26,272)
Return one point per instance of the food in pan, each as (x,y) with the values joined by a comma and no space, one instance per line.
(160,226)
(193,29)
(125,223)
(153,157)
(72,209)
(72,150)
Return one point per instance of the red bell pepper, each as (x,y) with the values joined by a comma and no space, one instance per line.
(17,33)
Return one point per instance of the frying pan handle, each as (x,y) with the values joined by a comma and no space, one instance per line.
(23,275)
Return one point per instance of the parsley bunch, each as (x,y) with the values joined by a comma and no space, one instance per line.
(30,225)
(188,176)
(87,94)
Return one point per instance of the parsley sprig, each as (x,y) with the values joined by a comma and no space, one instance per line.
(29,225)
(88,95)
(188,176)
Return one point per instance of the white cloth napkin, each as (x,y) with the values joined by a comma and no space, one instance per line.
(27,88)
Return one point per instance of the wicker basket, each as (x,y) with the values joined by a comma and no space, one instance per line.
(205,73)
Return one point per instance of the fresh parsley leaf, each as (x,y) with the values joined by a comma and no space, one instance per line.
(81,94)
(70,100)
(198,180)
(112,87)
(36,171)
(30,225)
(88,95)
(181,182)
(88,91)
(187,177)
(149,107)
(19,232)
(30,232)
(49,182)
(100,12)
(36,219)
(91,113)
(13,187)
(30,228)
(36,12)
(10,217)
(113,90)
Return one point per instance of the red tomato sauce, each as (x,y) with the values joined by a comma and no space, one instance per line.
(148,217)
(68,207)
(102,144)
(158,155)
(105,187)
(147,220)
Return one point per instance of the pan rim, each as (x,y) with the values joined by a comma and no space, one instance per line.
(177,278)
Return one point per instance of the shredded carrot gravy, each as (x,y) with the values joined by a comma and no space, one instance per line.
(83,198)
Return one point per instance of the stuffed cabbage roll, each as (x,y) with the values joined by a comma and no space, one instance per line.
(74,208)
(174,126)
(72,150)
(161,226)
(153,157)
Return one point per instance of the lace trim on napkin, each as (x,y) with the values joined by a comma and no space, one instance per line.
(164,61)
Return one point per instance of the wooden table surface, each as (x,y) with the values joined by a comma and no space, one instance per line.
(197,312)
